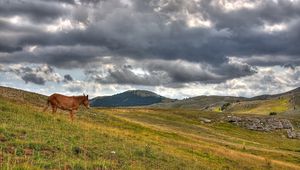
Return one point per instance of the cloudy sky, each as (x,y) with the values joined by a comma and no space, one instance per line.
(176,48)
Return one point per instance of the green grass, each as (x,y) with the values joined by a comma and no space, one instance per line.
(140,138)
(262,107)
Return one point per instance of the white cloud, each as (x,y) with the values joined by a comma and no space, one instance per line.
(194,20)
(231,5)
(271,28)
(64,25)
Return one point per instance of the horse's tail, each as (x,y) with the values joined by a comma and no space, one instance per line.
(46,107)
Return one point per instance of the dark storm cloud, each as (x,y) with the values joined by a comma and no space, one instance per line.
(153,29)
(68,78)
(126,76)
(59,56)
(35,10)
(289,65)
(37,74)
(33,78)
(167,73)
(4,48)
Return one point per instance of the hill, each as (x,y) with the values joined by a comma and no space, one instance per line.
(129,98)
(264,104)
(294,92)
(134,138)
(199,102)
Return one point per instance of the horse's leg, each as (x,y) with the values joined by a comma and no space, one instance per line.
(55,109)
(46,107)
(54,106)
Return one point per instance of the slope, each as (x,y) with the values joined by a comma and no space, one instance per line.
(199,102)
(134,139)
(263,105)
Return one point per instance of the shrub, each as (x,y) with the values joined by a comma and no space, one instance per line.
(225,106)
(272,113)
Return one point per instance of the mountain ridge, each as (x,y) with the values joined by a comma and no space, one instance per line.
(129,98)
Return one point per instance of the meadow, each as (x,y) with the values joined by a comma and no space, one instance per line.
(134,138)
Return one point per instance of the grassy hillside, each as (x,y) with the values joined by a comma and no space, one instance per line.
(279,103)
(200,102)
(135,139)
(21,96)
(261,105)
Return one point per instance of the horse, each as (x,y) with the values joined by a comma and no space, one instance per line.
(69,103)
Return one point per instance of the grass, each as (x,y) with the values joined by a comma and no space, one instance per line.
(263,107)
(135,138)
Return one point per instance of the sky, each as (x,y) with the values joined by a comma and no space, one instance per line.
(176,48)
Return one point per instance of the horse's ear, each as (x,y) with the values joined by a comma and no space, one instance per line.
(87,96)
(83,94)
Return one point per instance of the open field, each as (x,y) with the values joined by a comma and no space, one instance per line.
(127,138)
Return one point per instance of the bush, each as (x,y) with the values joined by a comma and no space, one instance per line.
(225,106)
(76,150)
(272,113)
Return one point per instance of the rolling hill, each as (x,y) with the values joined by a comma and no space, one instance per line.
(199,102)
(264,104)
(129,98)
(134,138)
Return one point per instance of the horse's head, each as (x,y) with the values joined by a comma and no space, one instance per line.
(86,102)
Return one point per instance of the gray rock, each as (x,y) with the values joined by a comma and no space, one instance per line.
(251,126)
(205,120)
(291,134)
(287,124)
(274,123)
(233,119)
(264,124)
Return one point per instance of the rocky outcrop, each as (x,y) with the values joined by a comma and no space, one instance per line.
(265,124)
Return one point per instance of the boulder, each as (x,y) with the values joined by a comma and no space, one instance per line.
(235,119)
(287,124)
(291,134)
(205,120)
(274,123)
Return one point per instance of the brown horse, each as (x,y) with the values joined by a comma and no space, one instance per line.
(70,103)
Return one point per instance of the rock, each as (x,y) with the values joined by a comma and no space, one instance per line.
(291,134)
(205,120)
(233,119)
(251,126)
(274,123)
(261,123)
(287,124)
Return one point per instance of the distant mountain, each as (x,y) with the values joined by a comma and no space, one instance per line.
(263,104)
(129,98)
